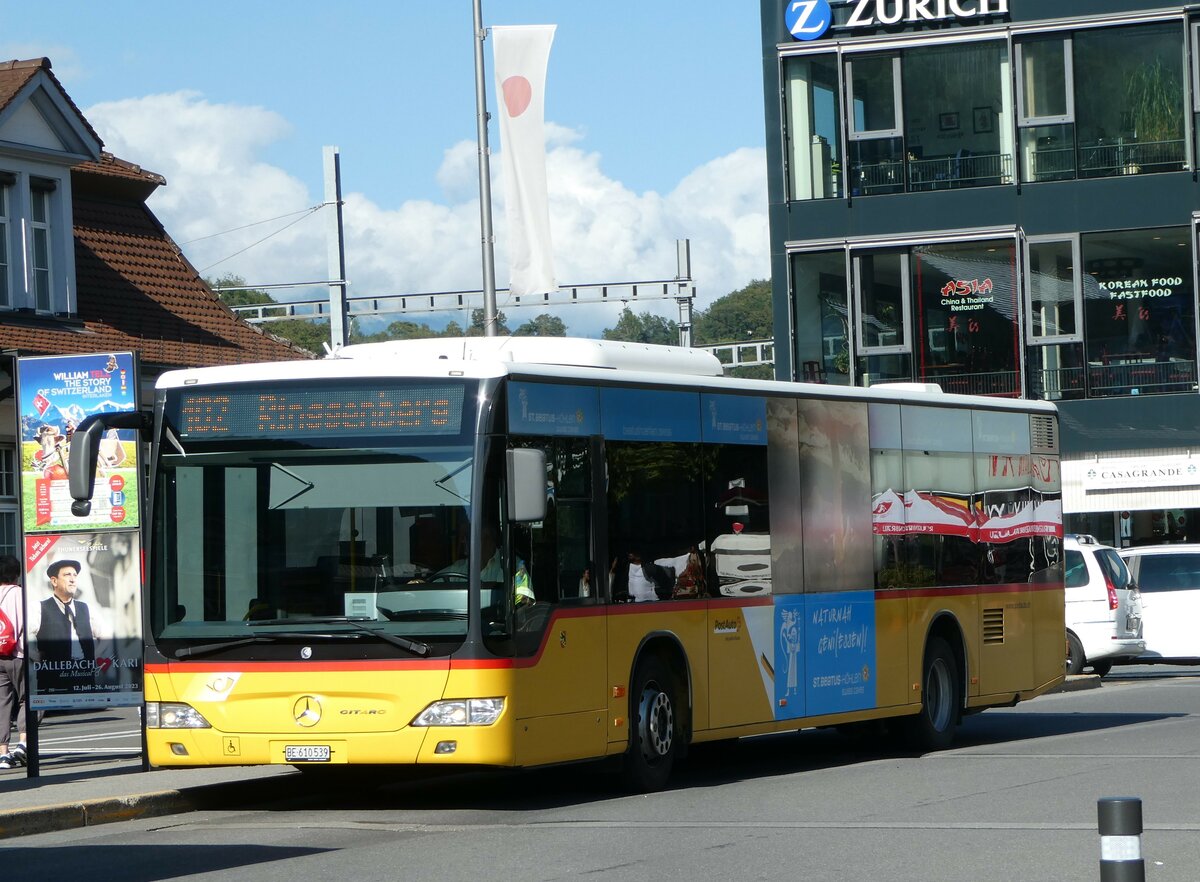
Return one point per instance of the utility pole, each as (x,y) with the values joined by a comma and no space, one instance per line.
(339,321)
(485,183)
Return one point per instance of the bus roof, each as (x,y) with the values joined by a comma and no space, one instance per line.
(560,358)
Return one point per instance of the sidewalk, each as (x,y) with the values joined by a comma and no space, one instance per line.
(83,794)
(91,773)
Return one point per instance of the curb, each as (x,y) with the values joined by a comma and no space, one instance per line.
(107,810)
(1077,683)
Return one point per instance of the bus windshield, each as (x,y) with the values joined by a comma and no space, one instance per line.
(258,536)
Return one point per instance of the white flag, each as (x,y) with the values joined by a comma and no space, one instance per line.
(521,55)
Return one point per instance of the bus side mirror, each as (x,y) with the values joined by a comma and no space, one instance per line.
(85,445)
(526,484)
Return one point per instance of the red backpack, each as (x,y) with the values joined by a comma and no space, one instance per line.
(8,634)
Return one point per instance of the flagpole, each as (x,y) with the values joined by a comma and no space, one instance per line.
(485,182)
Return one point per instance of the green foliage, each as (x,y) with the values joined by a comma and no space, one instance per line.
(479,324)
(745,314)
(544,325)
(239,296)
(643,328)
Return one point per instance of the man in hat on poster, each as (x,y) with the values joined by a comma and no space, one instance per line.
(64,636)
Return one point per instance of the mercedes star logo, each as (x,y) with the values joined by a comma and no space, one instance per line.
(307,711)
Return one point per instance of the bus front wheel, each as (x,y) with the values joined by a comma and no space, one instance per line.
(654,728)
(933,728)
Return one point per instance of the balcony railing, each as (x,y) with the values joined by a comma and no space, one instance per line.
(1099,380)
(961,170)
(939,173)
(1004,384)
(1103,160)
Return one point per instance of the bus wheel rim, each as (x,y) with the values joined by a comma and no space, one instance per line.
(658,724)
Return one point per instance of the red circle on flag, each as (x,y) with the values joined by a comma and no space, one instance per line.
(517,95)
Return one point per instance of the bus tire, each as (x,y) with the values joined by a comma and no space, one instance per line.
(654,729)
(933,727)
(1075,657)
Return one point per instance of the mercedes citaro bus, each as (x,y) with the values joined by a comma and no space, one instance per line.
(514,552)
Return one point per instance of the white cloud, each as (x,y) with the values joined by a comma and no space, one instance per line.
(603,232)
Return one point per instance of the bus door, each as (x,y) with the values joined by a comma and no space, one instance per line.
(560,629)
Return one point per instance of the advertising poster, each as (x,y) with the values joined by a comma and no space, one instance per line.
(56,394)
(840,663)
(84,620)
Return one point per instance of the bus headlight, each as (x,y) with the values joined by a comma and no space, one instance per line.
(174,715)
(461,712)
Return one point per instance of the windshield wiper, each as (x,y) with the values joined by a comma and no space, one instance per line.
(440,483)
(416,647)
(207,648)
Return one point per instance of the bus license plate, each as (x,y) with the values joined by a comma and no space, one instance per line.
(306,753)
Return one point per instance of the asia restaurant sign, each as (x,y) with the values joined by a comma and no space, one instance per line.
(810,19)
(966,295)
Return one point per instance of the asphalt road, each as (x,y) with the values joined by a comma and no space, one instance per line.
(1015,799)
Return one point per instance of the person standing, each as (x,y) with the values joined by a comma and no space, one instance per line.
(66,647)
(12,667)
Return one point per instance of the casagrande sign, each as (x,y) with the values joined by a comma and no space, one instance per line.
(810,19)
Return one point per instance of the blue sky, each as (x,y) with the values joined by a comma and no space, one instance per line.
(655,113)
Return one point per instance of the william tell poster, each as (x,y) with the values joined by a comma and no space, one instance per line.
(56,394)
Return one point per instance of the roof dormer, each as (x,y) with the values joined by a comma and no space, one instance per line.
(42,135)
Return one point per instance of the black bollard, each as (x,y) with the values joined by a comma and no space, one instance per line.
(1120,820)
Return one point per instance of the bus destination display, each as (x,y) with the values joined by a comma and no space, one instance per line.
(325,410)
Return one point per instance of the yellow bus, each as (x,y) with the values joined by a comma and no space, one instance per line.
(514,552)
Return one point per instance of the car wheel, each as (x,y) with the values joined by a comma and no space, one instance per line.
(1075,657)
(654,728)
(933,728)
(1100,669)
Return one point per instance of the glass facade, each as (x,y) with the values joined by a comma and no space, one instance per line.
(1090,103)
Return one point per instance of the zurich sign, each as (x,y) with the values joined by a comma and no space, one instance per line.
(808,19)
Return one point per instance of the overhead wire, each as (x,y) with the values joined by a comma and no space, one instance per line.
(305,214)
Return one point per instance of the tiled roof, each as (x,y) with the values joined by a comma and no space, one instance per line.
(136,290)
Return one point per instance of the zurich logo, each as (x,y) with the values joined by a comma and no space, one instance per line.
(808,19)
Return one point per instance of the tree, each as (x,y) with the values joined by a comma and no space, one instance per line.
(544,325)
(478,324)
(643,328)
(308,335)
(745,314)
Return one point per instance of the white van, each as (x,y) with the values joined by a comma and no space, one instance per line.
(1103,608)
(1169,579)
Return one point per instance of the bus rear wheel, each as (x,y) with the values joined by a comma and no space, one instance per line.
(654,728)
(933,728)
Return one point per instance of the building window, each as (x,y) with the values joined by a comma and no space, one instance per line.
(1105,102)
(1046,108)
(35,258)
(5,228)
(39,202)
(881,284)
(958,116)
(930,118)
(967,332)
(819,288)
(8,500)
(1055,305)
(813,111)
(1139,312)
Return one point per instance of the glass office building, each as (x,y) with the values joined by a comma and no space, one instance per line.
(1000,197)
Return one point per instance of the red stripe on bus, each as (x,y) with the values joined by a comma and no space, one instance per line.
(293,667)
(962,590)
